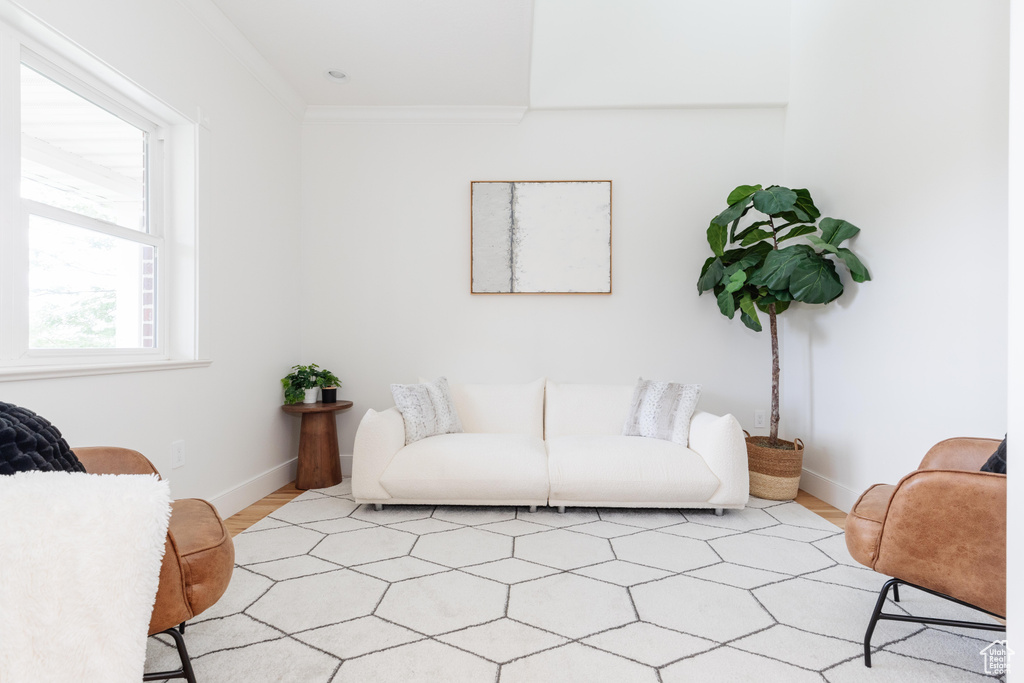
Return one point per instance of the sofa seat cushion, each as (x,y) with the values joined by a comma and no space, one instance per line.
(626,469)
(510,467)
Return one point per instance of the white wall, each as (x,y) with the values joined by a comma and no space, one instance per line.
(386,253)
(897,122)
(229,413)
(1015,495)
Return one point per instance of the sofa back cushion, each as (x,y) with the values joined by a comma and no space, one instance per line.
(501,408)
(586,409)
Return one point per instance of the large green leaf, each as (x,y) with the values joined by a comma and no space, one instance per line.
(821,244)
(836,231)
(742,192)
(774,200)
(707,264)
(726,303)
(779,266)
(772,295)
(754,236)
(734,211)
(732,229)
(780,306)
(815,281)
(751,256)
(710,275)
(805,205)
(736,280)
(745,231)
(748,313)
(716,238)
(857,270)
(797,231)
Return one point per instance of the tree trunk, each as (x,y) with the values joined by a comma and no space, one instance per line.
(773,434)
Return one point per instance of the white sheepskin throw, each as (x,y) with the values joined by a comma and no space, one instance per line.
(80,562)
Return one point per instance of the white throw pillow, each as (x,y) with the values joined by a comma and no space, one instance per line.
(427,409)
(662,410)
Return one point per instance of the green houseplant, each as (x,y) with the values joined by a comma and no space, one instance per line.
(303,378)
(755,267)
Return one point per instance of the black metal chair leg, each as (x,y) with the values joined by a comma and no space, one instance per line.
(882,594)
(186,662)
(895,596)
(878,615)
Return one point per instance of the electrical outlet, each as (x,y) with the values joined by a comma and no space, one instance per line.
(759,418)
(177,454)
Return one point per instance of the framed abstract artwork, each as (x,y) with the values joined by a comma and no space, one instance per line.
(541,237)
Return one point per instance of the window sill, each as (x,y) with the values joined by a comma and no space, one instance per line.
(19,373)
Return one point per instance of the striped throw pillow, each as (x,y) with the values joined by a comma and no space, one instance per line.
(427,409)
(662,410)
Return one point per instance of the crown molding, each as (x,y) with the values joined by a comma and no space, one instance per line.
(228,35)
(325,114)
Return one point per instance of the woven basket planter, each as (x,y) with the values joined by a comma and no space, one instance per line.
(774,472)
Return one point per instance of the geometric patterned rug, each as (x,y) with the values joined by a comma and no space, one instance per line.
(326,590)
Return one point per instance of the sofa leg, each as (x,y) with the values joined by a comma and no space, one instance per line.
(378,506)
(533,508)
(561,509)
(719,512)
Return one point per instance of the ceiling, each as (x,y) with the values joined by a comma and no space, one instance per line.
(517,54)
(395,52)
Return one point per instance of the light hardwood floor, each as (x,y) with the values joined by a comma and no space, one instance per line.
(821,508)
(238,523)
(241,521)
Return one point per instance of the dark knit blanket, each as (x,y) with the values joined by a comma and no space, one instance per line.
(997,461)
(30,442)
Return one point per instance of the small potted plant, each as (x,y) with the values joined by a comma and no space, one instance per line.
(304,381)
(767,273)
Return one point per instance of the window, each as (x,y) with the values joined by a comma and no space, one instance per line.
(91,270)
(93,245)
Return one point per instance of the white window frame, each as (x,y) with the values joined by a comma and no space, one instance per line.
(152,236)
(176,145)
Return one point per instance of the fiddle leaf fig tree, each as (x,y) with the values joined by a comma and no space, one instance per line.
(755,267)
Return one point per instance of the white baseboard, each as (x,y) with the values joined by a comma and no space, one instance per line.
(827,490)
(260,486)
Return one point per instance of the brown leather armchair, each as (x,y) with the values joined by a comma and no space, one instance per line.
(198,559)
(941,529)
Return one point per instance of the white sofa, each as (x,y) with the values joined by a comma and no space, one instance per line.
(544,443)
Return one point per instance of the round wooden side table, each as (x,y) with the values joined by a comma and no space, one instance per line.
(319,460)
